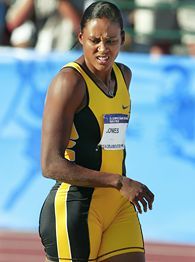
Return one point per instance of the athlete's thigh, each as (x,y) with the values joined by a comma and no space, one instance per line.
(128,257)
(123,236)
(95,235)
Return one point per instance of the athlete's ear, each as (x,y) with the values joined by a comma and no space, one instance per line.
(122,37)
(80,38)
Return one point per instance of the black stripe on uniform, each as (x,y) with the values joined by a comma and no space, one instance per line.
(87,152)
(78,202)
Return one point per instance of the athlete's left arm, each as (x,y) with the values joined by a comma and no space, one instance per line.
(128,184)
(127,74)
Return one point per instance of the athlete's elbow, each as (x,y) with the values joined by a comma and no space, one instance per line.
(48,169)
(46,172)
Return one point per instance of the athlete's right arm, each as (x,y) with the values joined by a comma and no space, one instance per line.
(65,96)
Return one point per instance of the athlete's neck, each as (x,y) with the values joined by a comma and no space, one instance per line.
(104,76)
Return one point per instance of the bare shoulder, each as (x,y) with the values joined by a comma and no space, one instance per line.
(67,87)
(126,71)
(68,79)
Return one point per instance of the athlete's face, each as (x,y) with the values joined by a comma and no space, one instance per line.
(101,40)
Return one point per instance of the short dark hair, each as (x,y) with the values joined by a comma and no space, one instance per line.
(102,9)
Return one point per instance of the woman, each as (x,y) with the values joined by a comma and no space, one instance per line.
(90,213)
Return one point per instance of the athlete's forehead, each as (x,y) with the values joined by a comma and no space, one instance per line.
(99,27)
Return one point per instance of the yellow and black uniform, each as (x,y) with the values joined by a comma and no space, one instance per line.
(93,224)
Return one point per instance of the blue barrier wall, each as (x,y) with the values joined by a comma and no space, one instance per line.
(160,138)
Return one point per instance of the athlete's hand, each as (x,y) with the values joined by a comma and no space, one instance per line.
(137,193)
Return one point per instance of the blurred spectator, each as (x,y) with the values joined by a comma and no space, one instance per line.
(166,27)
(150,22)
(44,24)
(186,16)
(20,24)
(143,25)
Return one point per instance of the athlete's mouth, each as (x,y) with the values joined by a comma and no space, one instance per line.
(102,59)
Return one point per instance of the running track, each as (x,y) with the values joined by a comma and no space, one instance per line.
(26,247)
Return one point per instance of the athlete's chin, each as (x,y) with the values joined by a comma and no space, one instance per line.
(100,66)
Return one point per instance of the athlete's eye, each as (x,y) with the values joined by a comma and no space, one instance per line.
(111,41)
(95,40)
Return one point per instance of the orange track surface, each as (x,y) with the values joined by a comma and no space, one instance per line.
(26,247)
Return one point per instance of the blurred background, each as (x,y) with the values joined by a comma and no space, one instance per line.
(37,37)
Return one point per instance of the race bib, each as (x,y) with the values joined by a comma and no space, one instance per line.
(115,126)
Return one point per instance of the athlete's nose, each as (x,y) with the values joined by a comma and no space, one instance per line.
(102,47)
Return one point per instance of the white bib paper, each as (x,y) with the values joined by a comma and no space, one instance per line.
(115,126)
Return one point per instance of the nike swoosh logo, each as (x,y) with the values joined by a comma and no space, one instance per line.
(124,107)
